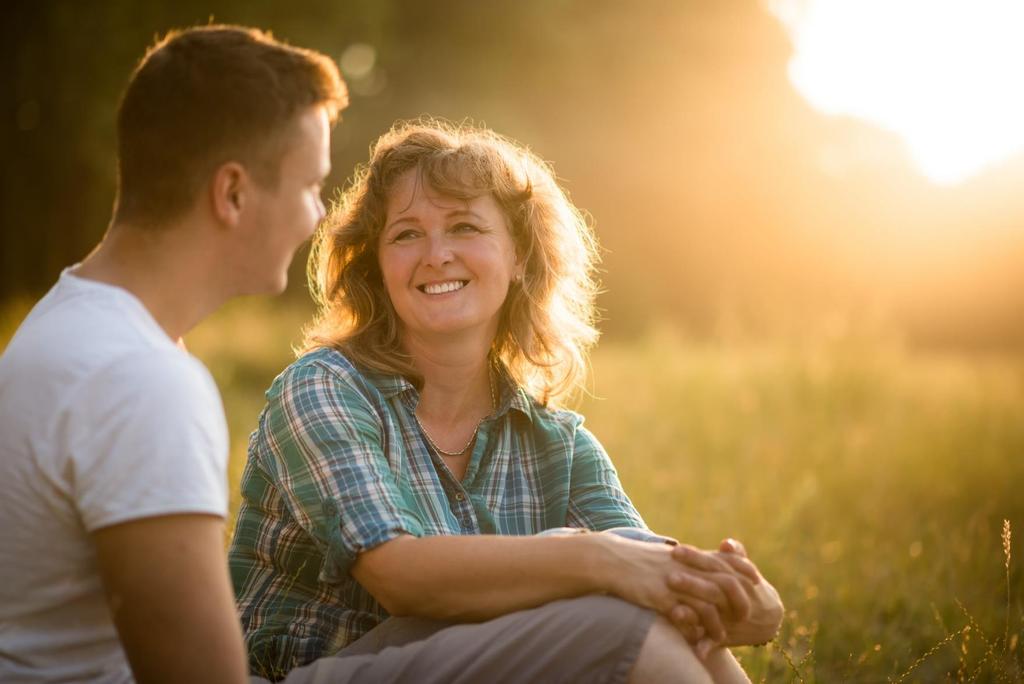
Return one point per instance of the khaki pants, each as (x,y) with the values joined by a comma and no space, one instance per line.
(589,639)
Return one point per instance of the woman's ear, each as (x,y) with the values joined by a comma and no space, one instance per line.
(228,192)
(518,268)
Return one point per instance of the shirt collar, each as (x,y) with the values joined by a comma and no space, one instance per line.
(389,385)
(510,395)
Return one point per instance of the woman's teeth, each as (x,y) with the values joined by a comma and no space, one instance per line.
(441,288)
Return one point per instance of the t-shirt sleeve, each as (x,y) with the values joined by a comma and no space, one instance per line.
(147,437)
(597,500)
(323,444)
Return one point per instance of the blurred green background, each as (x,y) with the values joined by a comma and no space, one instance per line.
(807,344)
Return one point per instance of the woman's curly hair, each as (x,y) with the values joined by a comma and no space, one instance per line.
(547,322)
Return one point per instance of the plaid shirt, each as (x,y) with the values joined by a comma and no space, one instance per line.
(338,465)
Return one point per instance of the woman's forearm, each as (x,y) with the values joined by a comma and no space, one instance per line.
(467,578)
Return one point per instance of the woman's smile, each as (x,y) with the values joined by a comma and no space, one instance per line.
(444,287)
(447,262)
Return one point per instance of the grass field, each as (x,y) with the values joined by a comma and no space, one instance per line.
(869,483)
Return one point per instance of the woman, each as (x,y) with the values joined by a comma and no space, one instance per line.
(407,464)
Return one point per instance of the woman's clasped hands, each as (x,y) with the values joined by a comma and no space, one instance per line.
(715,598)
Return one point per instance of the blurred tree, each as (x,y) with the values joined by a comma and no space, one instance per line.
(716,190)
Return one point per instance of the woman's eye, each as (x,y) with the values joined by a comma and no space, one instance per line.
(404,235)
(465,228)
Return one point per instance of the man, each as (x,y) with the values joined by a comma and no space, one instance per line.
(112,462)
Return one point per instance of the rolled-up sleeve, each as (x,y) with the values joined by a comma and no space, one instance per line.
(597,500)
(324,447)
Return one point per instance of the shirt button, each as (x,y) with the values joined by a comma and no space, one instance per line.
(459,496)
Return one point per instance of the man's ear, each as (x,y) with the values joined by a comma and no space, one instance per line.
(229,188)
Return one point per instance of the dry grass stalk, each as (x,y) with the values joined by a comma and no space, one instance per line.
(1006,555)
(913,666)
(789,661)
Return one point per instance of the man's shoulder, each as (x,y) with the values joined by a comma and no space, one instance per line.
(92,347)
(79,326)
(174,373)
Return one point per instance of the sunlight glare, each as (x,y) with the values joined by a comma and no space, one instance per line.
(942,74)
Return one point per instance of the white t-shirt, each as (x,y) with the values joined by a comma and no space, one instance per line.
(103,419)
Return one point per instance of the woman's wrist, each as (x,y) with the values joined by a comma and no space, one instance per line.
(590,558)
(603,563)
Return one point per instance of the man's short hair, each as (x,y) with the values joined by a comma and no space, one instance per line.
(205,96)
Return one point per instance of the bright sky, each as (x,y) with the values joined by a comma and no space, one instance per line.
(946,75)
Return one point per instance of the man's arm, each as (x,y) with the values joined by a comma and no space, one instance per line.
(170,596)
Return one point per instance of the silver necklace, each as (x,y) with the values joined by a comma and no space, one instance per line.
(430,440)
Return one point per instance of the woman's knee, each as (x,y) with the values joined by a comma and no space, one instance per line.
(723,667)
(667,657)
(596,614)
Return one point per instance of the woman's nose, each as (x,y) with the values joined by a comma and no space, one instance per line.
(439,250)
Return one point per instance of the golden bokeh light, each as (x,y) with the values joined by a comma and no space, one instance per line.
(942,74)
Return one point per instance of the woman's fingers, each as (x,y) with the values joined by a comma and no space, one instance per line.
(692,634)
(735,554)
(698,559)
(721,589)
(713,580)
(711,561)
(690,583)
(730,545)
(682,615)
(731,586)
(742,565)
(687,622)
(704,646)
(708,615)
